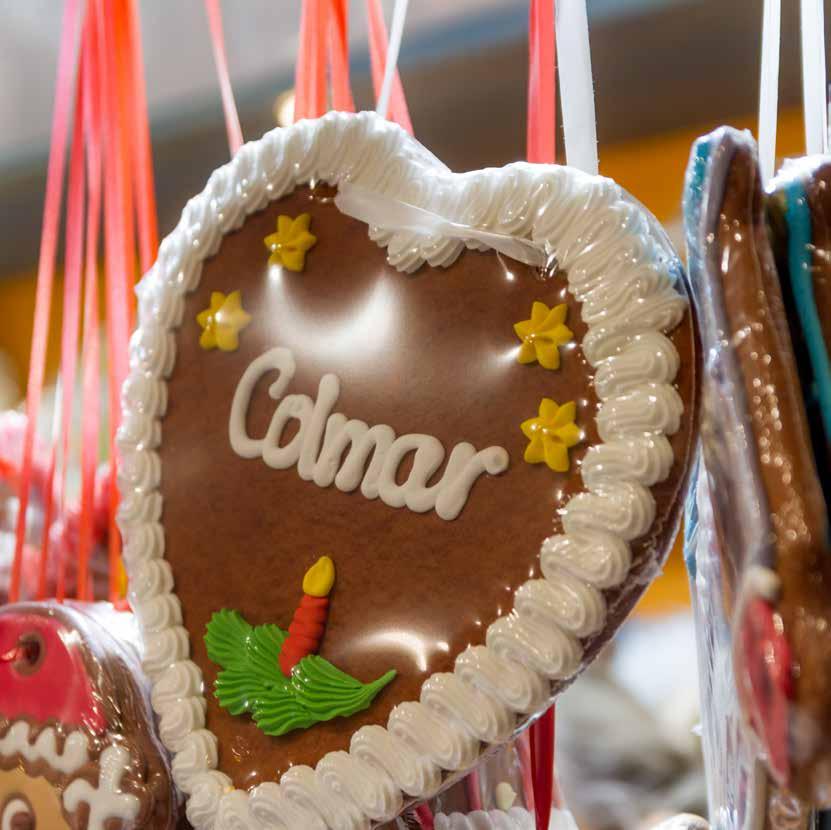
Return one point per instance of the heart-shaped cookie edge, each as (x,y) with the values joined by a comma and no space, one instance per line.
(623,270)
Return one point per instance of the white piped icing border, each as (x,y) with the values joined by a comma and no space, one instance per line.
(105,801)
(17,741)
(622,269)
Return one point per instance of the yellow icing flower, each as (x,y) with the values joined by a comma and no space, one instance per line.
(551,434)
(222,322)
(289,244)
(543,334)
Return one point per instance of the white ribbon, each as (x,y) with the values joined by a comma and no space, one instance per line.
(399,15)
(812,21)
(769,88)
(389,214)
(574,63)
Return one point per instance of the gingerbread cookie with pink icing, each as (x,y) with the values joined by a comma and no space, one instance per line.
(78,748)
(401,450)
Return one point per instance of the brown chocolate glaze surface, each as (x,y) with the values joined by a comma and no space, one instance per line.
(432,353)
(798,524)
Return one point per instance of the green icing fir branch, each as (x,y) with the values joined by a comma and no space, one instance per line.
(251,680)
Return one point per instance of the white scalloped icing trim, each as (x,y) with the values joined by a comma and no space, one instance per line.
(622,269)
(105,801)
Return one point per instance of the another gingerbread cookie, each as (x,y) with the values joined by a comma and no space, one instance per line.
(387,489)
(769,511)
(78,748)
(799,210)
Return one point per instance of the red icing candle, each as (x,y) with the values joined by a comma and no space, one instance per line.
(305,632)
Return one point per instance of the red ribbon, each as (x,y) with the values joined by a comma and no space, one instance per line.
(542,767)
(118,246)
(541,149)
(765,682)
(541,135)
(523,748)
(46,268)
(473,788)
(424,815)
(398,111)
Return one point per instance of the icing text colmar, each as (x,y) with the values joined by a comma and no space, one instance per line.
(372,454)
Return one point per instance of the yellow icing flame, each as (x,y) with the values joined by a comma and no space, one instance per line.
(319,578)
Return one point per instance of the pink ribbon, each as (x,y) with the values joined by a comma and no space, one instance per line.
(310,72)
(148,231)
(342,99)
(229,107)
(64,89)
(69,335)
(90,383)
(541,135)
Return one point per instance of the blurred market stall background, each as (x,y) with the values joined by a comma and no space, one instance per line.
(665,72)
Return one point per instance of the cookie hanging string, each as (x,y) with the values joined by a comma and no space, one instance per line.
(397,110)
(146,220)
(118,250)
(75,207)
(541,149)
(769,87)
(90,354)
(310,71)
(814,81)
(576,85)
(399,15)
(70,32)
(541,138)
(339,56)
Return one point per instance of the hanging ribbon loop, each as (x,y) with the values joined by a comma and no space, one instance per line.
(577,86)
(541,135)
(814,81)
(229,107)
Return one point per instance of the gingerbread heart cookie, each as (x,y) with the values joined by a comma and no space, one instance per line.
(78,748)
(401,449)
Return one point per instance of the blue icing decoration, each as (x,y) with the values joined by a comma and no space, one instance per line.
(800,265)
(691,521)
(694,182)
(693,194)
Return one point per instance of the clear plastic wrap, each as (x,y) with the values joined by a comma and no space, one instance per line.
(497,795)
